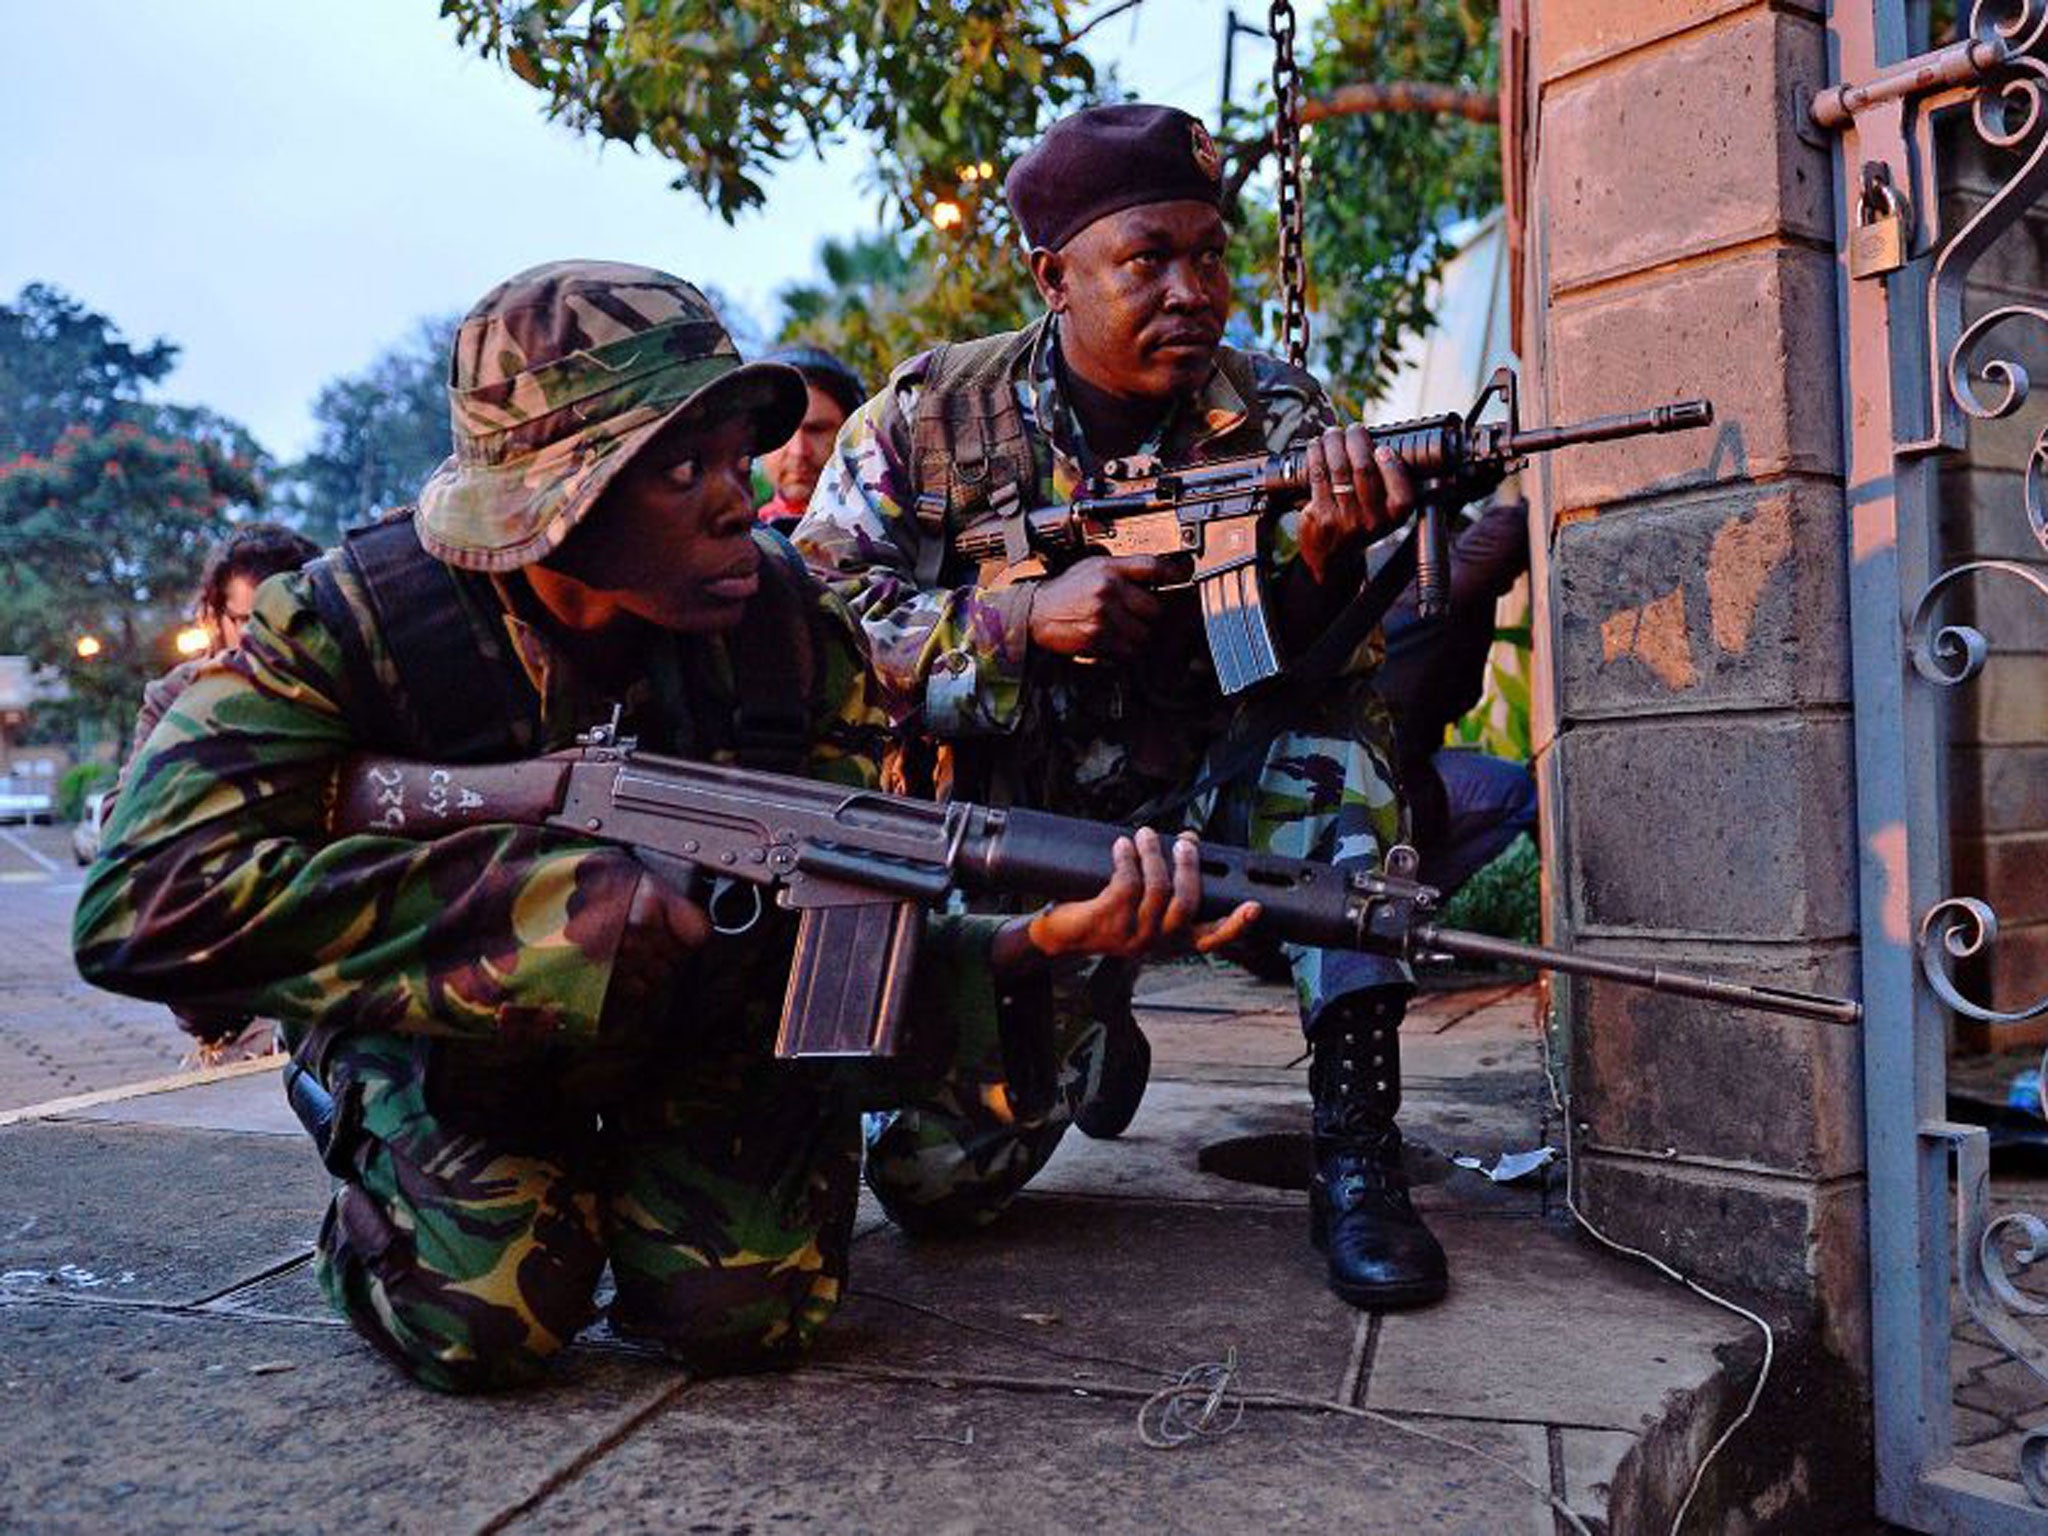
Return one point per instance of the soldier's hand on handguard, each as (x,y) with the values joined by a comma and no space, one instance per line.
(1356,494)
(1101,606)
(663,927)
(1149,907)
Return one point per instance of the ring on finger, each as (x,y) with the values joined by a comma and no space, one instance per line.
(1338,487)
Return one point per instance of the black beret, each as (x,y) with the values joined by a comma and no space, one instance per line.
(1103,160)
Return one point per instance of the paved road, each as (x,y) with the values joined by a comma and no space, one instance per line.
(59,1036)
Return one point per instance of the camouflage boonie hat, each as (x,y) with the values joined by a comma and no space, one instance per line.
(559,376)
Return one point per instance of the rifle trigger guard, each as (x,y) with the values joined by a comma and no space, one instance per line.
(722,890)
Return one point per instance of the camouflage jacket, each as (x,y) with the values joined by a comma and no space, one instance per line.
(219,888)
(955,660)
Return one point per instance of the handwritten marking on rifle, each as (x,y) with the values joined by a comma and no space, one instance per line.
(441,799)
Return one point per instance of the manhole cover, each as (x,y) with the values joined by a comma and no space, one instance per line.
(1280,1160)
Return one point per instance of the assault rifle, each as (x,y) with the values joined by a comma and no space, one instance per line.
(1214,512)
(861,866)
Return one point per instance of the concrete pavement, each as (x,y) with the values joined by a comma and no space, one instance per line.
(59,1037)
(169,1365)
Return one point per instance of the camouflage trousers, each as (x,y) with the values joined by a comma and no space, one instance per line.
(955,1160)
(486,1186)
(485,1190)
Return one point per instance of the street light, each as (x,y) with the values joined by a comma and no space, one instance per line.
(88,646)
(192,640)
(945,214)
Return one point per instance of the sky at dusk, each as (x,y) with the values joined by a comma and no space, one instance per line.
(284,189)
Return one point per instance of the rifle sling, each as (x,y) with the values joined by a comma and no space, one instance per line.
(1284,697)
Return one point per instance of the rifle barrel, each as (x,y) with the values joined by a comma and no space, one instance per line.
(1682,416)
(1480,946)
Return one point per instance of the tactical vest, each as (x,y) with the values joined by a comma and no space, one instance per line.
(971,456)
(459,693)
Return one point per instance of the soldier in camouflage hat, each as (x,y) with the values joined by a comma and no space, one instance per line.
(1092,692)
(540,1060)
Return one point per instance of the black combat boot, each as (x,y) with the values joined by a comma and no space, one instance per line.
(1381,1255)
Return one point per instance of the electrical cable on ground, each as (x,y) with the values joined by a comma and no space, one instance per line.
(1209,1385)
(1561,1102)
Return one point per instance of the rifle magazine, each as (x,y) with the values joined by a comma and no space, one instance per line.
(849,984)
(1234,616)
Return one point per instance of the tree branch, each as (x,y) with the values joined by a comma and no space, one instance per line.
(1245,155)
(1098,19)
(1403,96)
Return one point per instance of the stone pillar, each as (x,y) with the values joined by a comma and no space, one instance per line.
(1693,639)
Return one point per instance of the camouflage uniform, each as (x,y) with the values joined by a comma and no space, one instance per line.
(1114,742)
(500,1134)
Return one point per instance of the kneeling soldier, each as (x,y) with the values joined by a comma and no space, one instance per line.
(1092,693)
(541,1058)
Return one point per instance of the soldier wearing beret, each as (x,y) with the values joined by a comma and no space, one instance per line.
(1092,692)
(541,1061)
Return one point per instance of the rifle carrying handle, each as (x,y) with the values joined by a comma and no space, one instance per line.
(849,983)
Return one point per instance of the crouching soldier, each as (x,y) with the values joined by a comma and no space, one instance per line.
(542,1059)
(1092,693)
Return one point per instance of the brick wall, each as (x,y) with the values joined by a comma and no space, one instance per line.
(1694,740)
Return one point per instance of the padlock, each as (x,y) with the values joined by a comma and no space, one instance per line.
(1877,244)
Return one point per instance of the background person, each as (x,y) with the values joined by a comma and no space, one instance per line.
(236,567)
(790,472)
(1466,805)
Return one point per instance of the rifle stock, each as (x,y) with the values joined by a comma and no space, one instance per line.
(860,865)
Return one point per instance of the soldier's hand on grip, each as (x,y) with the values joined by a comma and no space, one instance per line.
(1356,493)
(1100,606)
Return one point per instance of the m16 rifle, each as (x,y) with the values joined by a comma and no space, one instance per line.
(1215,512)
(861,866)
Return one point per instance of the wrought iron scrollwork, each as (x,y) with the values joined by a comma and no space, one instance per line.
(1994,1301)
(1955,653)
(1956,929)
(2018,25)
(2008,112)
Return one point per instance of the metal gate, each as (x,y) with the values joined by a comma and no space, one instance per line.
(1916,370)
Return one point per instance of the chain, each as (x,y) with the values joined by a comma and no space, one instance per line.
(1287,147)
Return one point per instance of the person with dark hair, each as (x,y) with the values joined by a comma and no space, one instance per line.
(1466,806)
(790,473)
(235,568)
(238,565)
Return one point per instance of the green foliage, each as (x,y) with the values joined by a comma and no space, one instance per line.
(78,781)
(114,524)
(108,501)
(946,96)
(1502,724)
(1504,899)
(877,298)
(728,89)
(380,434)
(61,365)
(1382,191)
